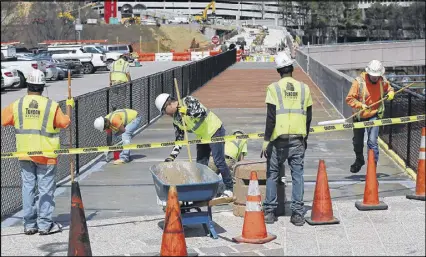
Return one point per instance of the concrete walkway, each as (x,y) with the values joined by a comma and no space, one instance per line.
(124,218)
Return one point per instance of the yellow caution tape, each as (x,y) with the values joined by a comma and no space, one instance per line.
(312,130)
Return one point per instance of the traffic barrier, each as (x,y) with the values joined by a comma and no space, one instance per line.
(421,176)
(239,55)
(242,170)
(161,57)
(78,241)
(254,228)
(213,53)
(322,209)
(174,56)
(371,192)
(196,56)
(312,130)
(144,57)
(173,241)
(183,56)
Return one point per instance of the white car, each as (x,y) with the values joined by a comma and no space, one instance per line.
(10,77)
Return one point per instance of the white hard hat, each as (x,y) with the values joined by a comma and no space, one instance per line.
(161,100)
(99,123)
(36,77)
(282,60)
(375,68)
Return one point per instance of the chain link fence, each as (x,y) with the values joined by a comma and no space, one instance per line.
(138,94)
(403,139)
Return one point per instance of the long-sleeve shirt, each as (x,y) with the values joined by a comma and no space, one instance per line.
(195,110)
(372,95)
(60,121)
(271,120)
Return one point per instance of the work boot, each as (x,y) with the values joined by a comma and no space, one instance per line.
(30,231)
(54,228)
(297,219)
(270,218)
(357,165)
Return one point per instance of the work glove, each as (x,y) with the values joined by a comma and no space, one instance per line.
(70,102)
(364,107)
(169,159)
(264,149)
(182,110)
(391,95)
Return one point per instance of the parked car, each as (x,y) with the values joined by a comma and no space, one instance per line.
(10,77)
(62,65)
(46,66)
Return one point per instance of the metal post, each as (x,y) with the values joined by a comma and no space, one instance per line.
(409,127)
(79,18)
(307,63)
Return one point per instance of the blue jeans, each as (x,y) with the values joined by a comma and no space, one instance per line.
(218,152)
(358,140)
(127,136)
(292,150)
(44,176)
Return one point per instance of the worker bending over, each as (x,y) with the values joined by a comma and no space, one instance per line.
(369,87)
(234,152)
(289,115)
(122,122)
(205,125)
(120,71)
(37,121)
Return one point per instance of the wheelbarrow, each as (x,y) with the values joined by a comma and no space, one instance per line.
(196,186)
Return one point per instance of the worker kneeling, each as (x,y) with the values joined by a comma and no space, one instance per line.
(205,125)
(234,152)
(120,72)
(289,114)
(122,122)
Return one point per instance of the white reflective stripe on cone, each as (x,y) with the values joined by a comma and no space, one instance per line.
(253,189)
(422,156)
(253,206)
(422,144)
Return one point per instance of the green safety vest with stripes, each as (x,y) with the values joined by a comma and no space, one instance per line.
(292,98)
(127,116)
(118,72)
(234,149)
(204,127)
(33,117)
(363,91)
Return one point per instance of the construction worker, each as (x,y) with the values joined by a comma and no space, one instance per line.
(37,121)
(369,87)
(234,152)
(122,122)
(120,71)
(289,115)
(205,125)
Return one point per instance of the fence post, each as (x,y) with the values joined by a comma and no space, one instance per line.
(407,162)
(390,129)
(77,156)
(149,99)
(131,94)
(307,62)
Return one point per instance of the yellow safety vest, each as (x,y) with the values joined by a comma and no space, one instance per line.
(362,92)
(234,149)
(292,97)
(33,116)
(118,72)
(127,116)
(203,128)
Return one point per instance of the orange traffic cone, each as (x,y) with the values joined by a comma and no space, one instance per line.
(78,242)
(371,191)
(254,228)
(173,242)
(420,180)
(322,209)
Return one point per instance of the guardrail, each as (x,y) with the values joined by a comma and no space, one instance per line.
(139,95)
(403,139)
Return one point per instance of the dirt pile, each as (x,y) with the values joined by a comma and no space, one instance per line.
(177,173)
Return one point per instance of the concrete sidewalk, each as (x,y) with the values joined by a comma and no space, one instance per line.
(120,201)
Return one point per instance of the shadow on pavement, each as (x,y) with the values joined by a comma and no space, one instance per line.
(54,248)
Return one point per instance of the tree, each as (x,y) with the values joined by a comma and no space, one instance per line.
(375,21)
(9,17)
(394,14)
(414,19)
(351,20)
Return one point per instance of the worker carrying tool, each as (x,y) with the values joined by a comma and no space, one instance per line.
(205,125)
(37,121)
(120,71)
(122,122)
(369,87)
(289,115)
(234,152)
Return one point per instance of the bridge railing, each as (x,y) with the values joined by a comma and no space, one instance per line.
(139,94)
(403,139)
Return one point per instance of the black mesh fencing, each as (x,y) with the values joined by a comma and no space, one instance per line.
(138,94)
(403,139)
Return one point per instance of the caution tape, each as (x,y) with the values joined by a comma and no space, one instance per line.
(312,130)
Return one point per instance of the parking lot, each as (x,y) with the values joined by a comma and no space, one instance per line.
(84,83)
